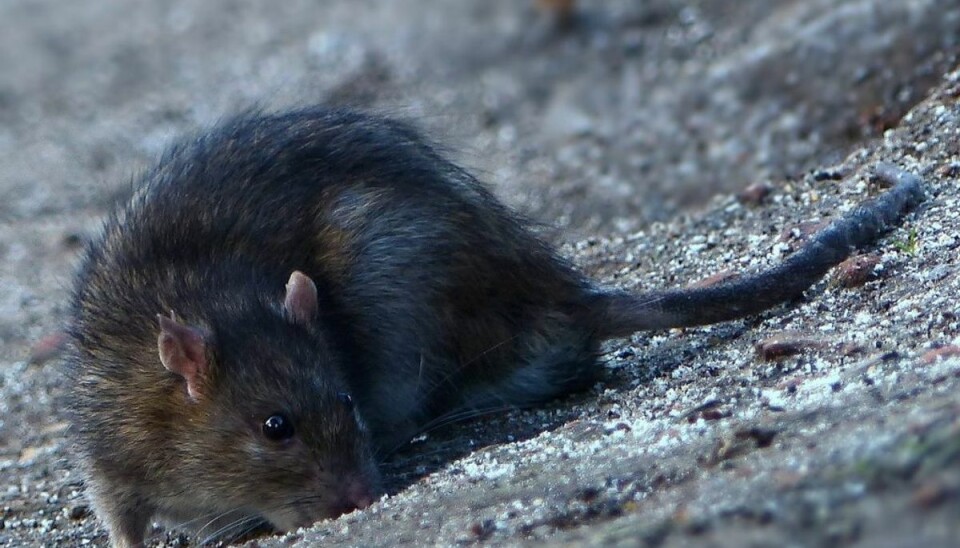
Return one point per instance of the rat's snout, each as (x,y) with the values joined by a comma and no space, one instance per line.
(355,493)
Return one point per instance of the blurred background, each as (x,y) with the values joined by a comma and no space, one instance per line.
(599,120)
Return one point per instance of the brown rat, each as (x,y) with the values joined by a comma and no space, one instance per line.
(288,294)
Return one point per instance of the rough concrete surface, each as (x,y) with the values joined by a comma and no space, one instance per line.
(627,132)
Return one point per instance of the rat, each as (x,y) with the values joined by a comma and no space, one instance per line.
(287,296)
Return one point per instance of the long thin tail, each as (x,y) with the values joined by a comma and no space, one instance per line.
(622,313)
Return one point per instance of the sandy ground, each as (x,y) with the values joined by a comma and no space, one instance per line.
(627,133)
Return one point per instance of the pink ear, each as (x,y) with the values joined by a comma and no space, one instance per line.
(300,302)
(183,350)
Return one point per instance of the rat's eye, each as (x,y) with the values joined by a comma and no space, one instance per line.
(277,427)
(345,399)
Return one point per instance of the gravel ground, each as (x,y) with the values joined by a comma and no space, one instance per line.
(627,133)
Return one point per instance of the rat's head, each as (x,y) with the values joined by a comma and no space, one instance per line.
(271,426)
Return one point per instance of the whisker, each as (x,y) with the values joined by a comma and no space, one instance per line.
(216,517)
(464,415)
(451,418)
(491,349)
(236,528)
(211,517)
(420,370)
(184,525)
(443,380)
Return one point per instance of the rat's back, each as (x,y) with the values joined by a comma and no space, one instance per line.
(434,292)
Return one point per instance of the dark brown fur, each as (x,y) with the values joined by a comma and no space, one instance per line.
(431,298)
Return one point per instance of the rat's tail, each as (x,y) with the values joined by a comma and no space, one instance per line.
(621,313)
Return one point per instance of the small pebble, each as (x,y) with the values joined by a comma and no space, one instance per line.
(716,279)
(73,241)
(801,231)
(755,194)
(930,494)
(951,170)
(48,347)
(830,174)
(941,353)
(857,270)
(79,511)
(785,344)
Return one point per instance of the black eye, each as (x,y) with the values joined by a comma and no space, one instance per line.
(345,399)
(277,427)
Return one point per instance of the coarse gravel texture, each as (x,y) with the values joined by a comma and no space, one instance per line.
(628,134)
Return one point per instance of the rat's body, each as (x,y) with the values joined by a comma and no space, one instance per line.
(413,290)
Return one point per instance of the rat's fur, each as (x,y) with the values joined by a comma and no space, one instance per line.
(430,298)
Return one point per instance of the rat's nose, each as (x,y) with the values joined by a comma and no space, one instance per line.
(355,494)
(360,493)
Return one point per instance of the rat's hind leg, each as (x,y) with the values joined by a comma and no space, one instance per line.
(550,364)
